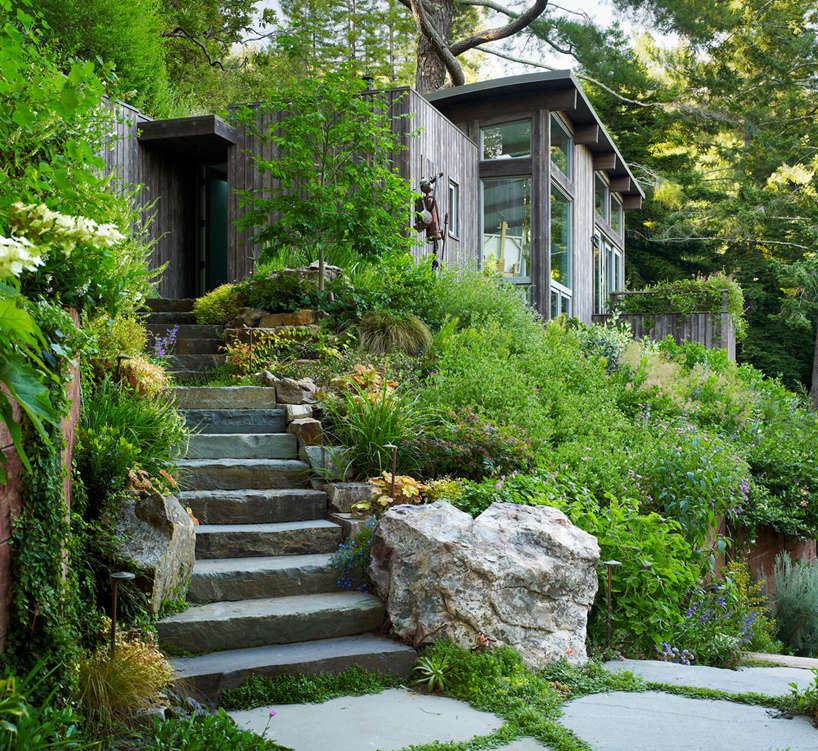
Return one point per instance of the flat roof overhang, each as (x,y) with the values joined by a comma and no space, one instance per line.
(562,91)
(205,138)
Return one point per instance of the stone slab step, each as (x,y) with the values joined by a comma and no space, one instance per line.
(237,420)
(255,506)
(257,540)
(201,362)
(169,319)
(276,620)
(170,305)
(208,676)
(188,331)
(242,474)
(243,446)
(198,346)
(224,579)
(225,397)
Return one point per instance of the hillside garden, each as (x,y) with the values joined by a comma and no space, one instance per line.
(668,454)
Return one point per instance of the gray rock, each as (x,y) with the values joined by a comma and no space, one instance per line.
(350,524)
(522,576)
(289,391)
(329,462)
(246,317)
(307,431)
(268,379)
(344,495)
(297,411)
(157,536)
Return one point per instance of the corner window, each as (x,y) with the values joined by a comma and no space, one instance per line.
(609,272)
(506,140)
(617,217)
(506,226)
(561,146)
(454,209)
(561,240)
(601,197)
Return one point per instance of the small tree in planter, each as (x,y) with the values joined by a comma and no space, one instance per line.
(333,184)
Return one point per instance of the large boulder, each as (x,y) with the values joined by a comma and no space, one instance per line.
(524,576)
(158,538)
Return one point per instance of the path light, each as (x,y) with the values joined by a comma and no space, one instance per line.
(115,579)
(394,449)
(610,565)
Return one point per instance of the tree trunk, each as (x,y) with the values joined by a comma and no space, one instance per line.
(813,392)
(431,72)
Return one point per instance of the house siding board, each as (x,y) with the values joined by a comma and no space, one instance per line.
(583,233)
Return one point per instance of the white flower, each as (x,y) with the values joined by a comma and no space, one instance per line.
(17,255)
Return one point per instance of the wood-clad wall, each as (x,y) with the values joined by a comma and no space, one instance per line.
(438,146)
(166,199)
(583,233)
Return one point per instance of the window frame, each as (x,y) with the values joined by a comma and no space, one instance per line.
(525,281)
(557,119)
(454,227)
(620,214)
(606,202)
(555,286)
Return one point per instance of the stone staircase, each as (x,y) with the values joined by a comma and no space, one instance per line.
(263,590)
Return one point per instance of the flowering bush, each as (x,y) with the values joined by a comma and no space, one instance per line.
(366,379)
(466,445)
(271,349)
(351,560)
(388,491)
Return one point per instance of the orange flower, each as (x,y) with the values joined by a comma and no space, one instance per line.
(569,651)
(167,476)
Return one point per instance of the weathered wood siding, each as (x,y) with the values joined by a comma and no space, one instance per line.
(439,146)
(713,330)
(583,233)
(165,199)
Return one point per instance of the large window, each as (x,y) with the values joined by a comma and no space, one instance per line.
(506,226)
(601,197)
(454,209)
(561,143)
(506,140)
(609,271)
(562,253)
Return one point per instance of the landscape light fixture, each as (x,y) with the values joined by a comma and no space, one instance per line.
(115,579)
(610,565)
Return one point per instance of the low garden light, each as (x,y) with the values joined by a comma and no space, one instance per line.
(115,579)
(610,566)
(394,449)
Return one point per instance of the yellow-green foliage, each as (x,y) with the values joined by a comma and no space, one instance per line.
(112,689)
(120,335)
(220,305)
(381,332)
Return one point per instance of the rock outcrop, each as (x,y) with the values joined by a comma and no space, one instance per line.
(523,576)
(157,537)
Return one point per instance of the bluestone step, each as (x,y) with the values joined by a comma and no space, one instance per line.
(225,397)
(236,420)
(198,346)
(243,446)
(242,474)
(282,538)
(169,320)
(277,620)
(202,363)
(187,331)
(170,305)
(255,506)
(224,579)
(208,676)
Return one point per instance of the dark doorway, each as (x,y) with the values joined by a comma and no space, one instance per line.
(215,226)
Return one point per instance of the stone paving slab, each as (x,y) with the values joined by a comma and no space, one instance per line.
(653,721)
(770,681)
(386,721)
(524,744)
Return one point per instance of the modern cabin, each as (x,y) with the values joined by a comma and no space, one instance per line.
(532,183)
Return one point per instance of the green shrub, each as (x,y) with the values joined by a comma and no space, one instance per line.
(464,445)
(221,305)
(607,341)
(796,604)
(366,422)
(380,332)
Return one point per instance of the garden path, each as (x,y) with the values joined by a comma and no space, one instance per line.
(616,721)
(263,586)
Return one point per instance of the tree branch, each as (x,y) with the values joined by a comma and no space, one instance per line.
(180,33)
(443,50)
(743,240)
(520,21)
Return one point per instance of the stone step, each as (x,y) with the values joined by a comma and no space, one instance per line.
(224,579)
(170,305)
(200,346)
(237,420)
(276,620)
(188,331)
(257,540)
(243,446)
(169,320)
(202,363)
(242,474)
(208,676)
(225,397)
(255,506)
